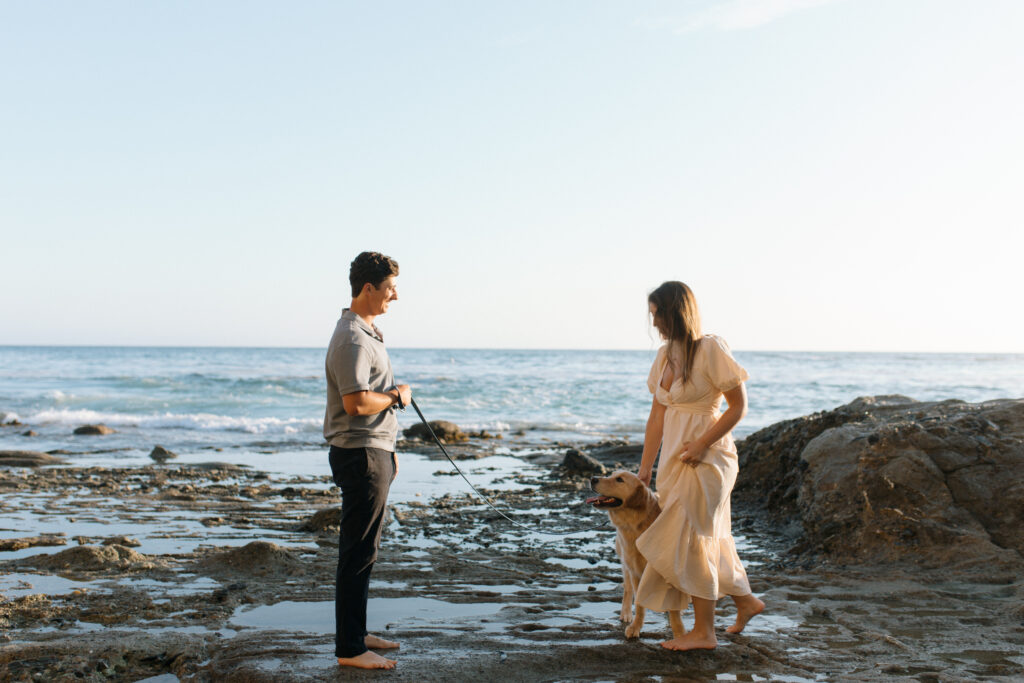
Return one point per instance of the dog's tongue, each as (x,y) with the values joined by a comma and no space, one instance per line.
(599,499)
(592,500)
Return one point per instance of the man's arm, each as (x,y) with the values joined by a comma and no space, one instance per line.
(349,365)
(371,402)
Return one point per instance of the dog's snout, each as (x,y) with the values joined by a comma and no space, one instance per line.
(593,482)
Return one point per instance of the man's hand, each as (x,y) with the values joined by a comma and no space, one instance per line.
(405,392)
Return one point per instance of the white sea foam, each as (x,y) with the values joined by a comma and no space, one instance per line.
(198,421)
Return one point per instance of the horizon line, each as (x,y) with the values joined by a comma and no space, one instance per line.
(485,348)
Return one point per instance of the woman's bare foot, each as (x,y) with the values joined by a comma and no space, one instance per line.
(692,641)
(747,607)
(367,660)
(377,643)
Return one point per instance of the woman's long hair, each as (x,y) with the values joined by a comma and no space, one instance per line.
(677,319)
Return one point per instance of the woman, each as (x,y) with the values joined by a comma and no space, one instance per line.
(689,548)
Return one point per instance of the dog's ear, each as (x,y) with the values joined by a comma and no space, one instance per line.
(636,499)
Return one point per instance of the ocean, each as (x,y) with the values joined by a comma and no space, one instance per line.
(269,400)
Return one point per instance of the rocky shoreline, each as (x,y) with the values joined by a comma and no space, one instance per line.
(884,535)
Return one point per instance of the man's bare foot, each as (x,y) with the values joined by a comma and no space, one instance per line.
(377,643)
(747,607)
(692,641)
(367,660)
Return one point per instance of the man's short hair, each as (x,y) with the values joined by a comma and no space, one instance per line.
(370,267)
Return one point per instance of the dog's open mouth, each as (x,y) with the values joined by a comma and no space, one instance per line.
(604,502)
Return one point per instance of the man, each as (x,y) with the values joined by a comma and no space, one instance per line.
(361,427)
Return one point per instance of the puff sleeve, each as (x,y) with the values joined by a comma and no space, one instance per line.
(721,368)
(654,376)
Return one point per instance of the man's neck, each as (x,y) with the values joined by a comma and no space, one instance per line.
(360,309)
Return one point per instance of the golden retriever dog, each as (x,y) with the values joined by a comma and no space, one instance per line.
(632,508)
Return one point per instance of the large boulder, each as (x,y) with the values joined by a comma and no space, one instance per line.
(448,432)
(889,479)
(578,462)
(161,454)
(94,430)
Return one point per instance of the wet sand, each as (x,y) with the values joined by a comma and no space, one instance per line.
(214,573)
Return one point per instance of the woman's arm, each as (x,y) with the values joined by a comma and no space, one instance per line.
(652,441)
(693,451)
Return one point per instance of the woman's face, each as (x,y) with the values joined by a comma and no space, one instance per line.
(654,317)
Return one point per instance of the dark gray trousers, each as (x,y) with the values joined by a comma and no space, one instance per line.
(364,476)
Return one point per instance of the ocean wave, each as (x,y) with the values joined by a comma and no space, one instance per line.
(580,427)
(197,421)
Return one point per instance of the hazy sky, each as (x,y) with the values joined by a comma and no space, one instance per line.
(826,175)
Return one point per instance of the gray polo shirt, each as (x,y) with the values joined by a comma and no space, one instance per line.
(357,361)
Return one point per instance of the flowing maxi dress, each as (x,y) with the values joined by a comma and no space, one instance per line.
(689,548)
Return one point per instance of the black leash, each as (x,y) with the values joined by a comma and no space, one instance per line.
(482,496)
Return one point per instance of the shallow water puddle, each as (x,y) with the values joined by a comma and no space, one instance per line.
(417,481)
(581,563)
(169,530)
(197,584)
(18,585)
(756,677)
(318,617)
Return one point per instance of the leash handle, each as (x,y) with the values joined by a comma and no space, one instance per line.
(444,450)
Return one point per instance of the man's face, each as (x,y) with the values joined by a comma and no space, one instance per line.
(381,296)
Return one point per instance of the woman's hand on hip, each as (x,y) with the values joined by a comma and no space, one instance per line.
(693,453)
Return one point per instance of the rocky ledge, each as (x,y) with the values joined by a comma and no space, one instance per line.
(893,480)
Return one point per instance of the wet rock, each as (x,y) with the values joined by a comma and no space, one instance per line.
(8,544)
(614,451)
(214,466)
(97,429)
(447,432)
(30,432)
(125,656)
(578,462)
(259,558)
(27,459)
(26,611)
(161,454)
(125,541)
(326,519)
(90,558)
(889,479)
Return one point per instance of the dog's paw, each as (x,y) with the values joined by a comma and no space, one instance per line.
(633,630)
(626,616)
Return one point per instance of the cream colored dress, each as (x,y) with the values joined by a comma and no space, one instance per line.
(689,548)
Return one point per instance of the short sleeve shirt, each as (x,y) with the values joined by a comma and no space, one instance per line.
(357,361)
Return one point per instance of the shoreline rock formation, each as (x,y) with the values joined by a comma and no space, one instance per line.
(889,479)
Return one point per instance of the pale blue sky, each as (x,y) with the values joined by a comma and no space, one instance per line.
(826,175)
